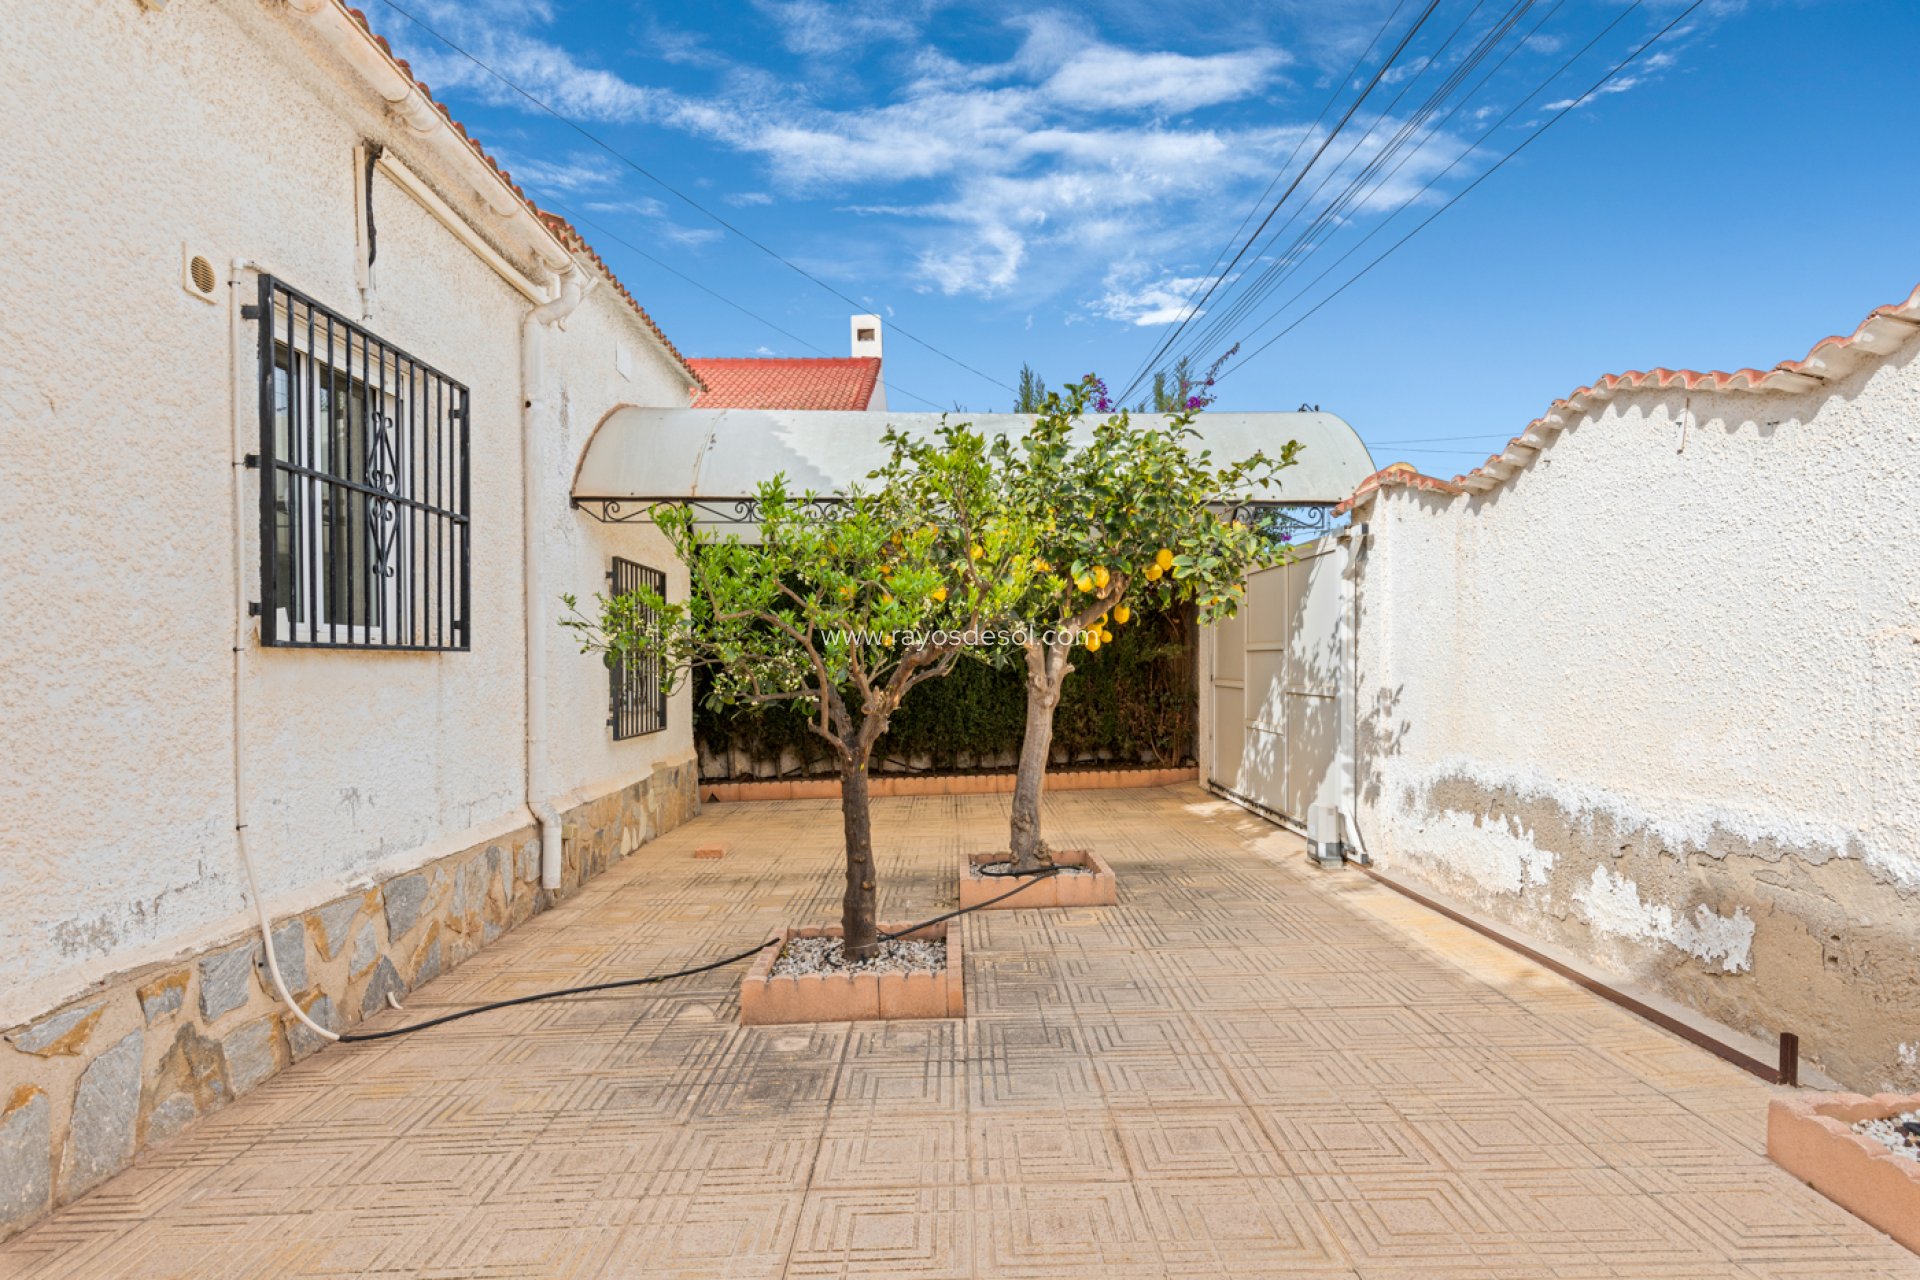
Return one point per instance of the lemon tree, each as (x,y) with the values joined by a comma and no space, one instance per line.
(842,606)
(1102,524)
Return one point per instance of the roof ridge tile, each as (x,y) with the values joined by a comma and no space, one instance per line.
(1810,368)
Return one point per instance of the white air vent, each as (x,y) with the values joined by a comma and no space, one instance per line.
(197,274)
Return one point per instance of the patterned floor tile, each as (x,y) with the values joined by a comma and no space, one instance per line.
(1245,1068)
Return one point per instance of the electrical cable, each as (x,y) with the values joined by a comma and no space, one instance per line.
(1378,75)
(1402,147)
(456,1015)
(614,236)
(1267,287)
(655,178)
(1463,192)
(1186,307)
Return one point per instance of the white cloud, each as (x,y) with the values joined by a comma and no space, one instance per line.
(494,32)
(645,206)
(819,29)
(1622,85)
(1405,70)
(1105,78)
(1157,302)
(1016,176)
(575,173)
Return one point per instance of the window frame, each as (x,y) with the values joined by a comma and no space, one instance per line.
(626,716)
(405,486)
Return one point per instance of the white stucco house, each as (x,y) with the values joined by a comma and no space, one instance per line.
(286,472)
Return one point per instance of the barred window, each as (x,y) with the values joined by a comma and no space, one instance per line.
(363,486)
(639,702)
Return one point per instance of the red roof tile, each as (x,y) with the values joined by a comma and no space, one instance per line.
(1400,475)
(787,384)
(1884,329)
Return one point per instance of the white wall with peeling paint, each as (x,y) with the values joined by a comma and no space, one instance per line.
(1683,639)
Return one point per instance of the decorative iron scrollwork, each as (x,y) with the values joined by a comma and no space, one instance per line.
(383,473)
(1288,522)
(721,511)
(1281,521)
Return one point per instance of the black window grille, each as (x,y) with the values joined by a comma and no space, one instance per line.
(639,701)
(364,489)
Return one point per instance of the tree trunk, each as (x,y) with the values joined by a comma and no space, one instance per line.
(1043,695)
(858,930)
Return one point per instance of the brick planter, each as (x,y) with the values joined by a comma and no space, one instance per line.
(1811,1136)
(853,997)
(1096,890)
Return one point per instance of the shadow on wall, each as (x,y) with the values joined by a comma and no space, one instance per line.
(1382,732)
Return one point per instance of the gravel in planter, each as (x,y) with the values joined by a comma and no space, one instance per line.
(1901,1133)
(991,870)
(825,955)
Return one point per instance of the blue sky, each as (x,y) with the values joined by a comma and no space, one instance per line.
(1015,182)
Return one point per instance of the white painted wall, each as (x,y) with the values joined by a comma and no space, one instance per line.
(220,125)
(1657,697)
(1720,633)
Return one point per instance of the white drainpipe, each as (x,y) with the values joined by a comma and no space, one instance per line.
(1352,541)
(244,528)
(535,406)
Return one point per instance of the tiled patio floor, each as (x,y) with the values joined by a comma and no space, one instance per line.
(1248,1068)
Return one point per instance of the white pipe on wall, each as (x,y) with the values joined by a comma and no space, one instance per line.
(1352,543)
(242,527)
(535,396)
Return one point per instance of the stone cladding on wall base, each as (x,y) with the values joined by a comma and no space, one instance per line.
(135,1059)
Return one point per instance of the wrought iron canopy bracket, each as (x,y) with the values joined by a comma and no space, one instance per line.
(1296,518)
(731,511)
(1296,521)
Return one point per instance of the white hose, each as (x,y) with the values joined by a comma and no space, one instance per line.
(240,527)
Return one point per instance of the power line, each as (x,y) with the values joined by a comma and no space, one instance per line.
(1188,307)
(1484,435)
(1304,245)
(643,171)
(1405,143)
(1378,75)
(752,315)
(1433,181)
(1464,191)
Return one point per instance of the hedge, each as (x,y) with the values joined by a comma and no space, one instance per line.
(1131,702)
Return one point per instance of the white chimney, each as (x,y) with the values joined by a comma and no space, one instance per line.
(865,332)
(866,336)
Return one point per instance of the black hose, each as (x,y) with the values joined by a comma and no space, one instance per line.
(456,1015)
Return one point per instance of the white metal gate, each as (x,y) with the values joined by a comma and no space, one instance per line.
(1273,688)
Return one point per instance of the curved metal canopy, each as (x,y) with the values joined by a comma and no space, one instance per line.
(640,457)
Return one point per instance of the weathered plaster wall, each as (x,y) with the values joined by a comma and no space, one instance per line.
(1657,698)
(586,362)
(134,1060)
(218,124)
